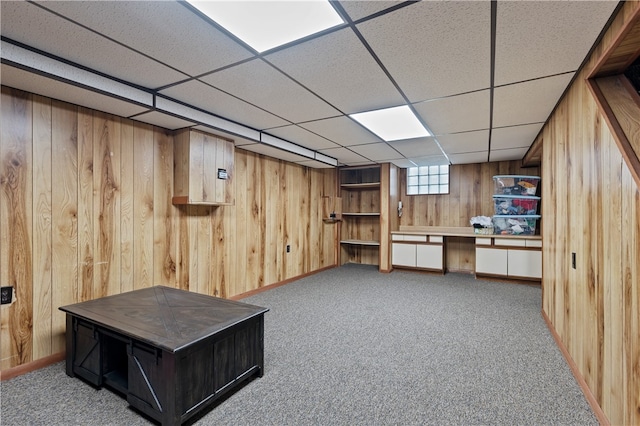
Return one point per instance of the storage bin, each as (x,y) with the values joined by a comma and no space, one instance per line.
(515,225)
(515,205)
(515,185)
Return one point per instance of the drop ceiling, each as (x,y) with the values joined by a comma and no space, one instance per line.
(482,76)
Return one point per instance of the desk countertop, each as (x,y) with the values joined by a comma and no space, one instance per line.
(455,232)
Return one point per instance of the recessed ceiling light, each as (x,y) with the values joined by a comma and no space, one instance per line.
(392,124)
(264,25)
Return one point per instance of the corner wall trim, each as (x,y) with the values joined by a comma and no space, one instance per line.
(591,399)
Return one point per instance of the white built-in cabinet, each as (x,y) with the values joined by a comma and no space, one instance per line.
(509,257)
(417,251)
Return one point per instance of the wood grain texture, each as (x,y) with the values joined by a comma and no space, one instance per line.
(42,255)
(98,196)
(591,208)
(16,185)
(64,202)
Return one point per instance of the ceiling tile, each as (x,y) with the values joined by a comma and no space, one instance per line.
(528,102)
(377,152)
(465,142)
(456,114)
(418,147)
(514,137)
(315,164)
(446,52)
(528,34)
(431,160)
(345,156)
(339,69)
(188,42)
(163,120)
(212,100)
(469,157)
(302,137)
(508,154)
(262,85)
(358,9)
(403,164)
(342,130)
(31,25)
(40,85)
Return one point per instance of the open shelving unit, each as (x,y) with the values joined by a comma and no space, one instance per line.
(360,230)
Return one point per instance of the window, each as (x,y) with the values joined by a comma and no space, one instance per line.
(428,180)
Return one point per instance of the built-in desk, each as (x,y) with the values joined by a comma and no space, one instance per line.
(504,256)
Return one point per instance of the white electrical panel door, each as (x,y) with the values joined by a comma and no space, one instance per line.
(525,263)
(403,254)
(429,256)
(491,261)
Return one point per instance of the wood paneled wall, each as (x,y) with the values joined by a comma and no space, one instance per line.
(470,194)
(592,208)
(85,211)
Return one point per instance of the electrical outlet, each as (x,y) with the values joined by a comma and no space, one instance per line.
(6,295)
(288,248)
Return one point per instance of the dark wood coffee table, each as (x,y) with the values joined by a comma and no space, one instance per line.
(171,353)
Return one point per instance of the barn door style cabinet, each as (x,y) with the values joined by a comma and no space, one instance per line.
(203,171)
(361,207)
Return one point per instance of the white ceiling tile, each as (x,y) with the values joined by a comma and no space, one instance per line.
(514,137)
(445,52)
(540,38)
(339,69)
(342,130)
(164,30)
(217,102)
(465,142)
(456,114)
(358,9)
(528,102)
(419,147)
(31,25)
(264,86)
(38,84)
(404,163)
(345,156)
(431,160)
(163,120)
(302,137)
(469,157)
(507,154)
(377,152)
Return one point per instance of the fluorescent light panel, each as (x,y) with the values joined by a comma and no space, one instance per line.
(392,124)
(264,25)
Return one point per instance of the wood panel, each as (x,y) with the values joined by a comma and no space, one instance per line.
(16,181)
(89,194)
(42,255)
(591,207)
(470,194)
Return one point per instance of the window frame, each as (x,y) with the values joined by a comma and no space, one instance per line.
(422,180)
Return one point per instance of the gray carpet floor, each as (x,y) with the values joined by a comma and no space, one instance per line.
(351,346)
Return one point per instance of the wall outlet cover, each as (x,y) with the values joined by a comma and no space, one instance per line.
(6,294)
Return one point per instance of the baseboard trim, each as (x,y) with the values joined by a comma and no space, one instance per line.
(591,399)
(279,283)
(10,373)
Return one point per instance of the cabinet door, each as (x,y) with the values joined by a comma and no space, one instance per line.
(525,263)
(429,256)
(403,254)
(491,261)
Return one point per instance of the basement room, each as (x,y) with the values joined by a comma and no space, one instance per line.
(320,212)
